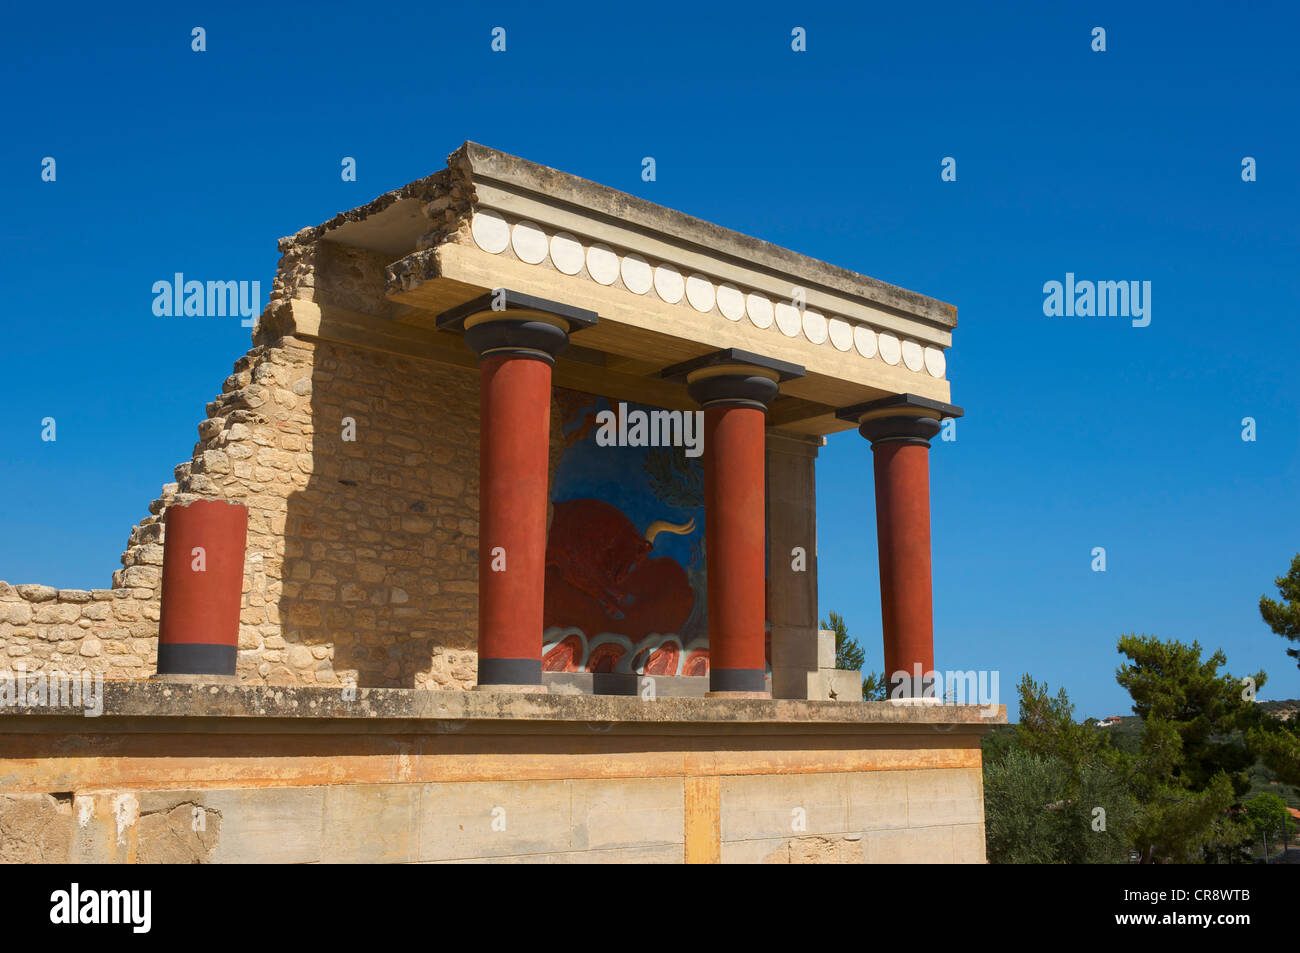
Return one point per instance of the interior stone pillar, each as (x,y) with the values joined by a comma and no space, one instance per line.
(792,608)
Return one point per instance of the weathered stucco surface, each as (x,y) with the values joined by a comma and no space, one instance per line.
(202,773)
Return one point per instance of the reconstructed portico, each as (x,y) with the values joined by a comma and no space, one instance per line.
(672,312)
(462,473)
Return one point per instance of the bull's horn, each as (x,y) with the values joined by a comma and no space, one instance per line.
(663,526)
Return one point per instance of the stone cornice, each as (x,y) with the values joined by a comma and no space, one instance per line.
(492,219)
(511,174)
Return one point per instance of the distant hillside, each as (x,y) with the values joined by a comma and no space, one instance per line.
(1286,710)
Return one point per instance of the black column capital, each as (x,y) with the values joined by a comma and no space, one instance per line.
(733,378)
(901,418)
(522,325)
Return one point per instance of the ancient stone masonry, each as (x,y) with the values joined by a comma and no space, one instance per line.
(113,631)
(446,199)
(359,471)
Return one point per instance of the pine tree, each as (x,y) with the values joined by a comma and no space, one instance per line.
(1284,618)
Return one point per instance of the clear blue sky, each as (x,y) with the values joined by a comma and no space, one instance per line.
(1081,432)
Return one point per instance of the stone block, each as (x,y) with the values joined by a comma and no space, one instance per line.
(783,805)
(174,827)
(370,823)
(808,849)
(105,827)
(495,819)
(877,800)
(841,685)
(627,813)
(928,845)
(34,593)
(268,825)
(35,829)
(944,796)
(796,647)
(795,683)
(968,844)
(618,855)
(825,648)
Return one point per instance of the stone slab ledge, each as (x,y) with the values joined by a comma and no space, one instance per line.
(146,706)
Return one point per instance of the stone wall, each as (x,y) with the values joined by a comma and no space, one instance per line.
(360,473)
(180,773)
(914,816)
(109,631)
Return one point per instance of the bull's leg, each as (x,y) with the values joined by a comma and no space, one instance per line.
(608,599)
(611,604)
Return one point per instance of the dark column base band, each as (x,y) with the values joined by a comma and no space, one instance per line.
(737,680)
(195,658)
(509,671)
(902,685)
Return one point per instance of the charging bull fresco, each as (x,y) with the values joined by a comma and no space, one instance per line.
(625,567)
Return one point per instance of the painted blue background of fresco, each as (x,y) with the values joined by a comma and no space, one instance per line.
(617,475)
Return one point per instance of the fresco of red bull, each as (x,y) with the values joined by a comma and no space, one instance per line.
(625,562)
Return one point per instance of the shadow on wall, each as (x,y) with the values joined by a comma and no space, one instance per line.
(381,545)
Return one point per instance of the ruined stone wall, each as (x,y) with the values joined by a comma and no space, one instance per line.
(360,473)
(109,631)
(362,552)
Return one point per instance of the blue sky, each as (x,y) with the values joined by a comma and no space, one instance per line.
(1080,432)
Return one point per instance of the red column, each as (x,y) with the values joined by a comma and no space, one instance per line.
(735,388)
(735,538)
(900,429)
(516,337)
(515,426)
(202,587)
(902,472)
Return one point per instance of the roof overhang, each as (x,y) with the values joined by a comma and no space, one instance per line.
(669,288)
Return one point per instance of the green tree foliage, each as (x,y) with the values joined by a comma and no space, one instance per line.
(1278,741)
(1193,763)
(1270,820)
(1284,617)
(874,687)
(996,744)
(1047,728)
(1018,827)
(1173,792)
(1041,810)
(849,656)
(1277,744)
(1174,690)
(1054,790)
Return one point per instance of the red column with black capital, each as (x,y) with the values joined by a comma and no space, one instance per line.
(734,388)
(900,429)
(514,451)
(517,338)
